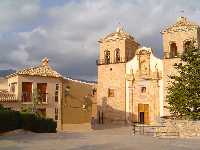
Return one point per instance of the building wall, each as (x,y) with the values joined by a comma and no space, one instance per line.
(153,81)
(74,99)
(3,84)
(111,76)
(179,38)
(50,105)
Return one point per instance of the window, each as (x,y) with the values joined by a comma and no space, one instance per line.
(107,56)
(173,50)
(187,45)
(143,89)
(56,92)
(57,87)
(42,92)
(117,55)
(56,113)
(26,91)
(111,93)
(12,87)
(94,92)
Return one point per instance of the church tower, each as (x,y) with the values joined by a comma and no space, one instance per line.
(115,50)
(176,39)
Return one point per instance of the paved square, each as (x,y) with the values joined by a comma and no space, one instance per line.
(107,139)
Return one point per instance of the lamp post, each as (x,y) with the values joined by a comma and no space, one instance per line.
(67,90)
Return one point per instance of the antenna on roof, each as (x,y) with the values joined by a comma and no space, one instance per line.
(182,16)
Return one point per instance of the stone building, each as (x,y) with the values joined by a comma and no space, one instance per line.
(62,99)
(79,102)
(132,82)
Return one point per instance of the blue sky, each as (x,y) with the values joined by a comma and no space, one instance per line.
(67,31)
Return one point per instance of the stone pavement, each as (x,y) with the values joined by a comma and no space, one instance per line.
(116,138)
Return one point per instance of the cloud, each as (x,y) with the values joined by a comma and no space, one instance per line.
(16,13)
(68,33)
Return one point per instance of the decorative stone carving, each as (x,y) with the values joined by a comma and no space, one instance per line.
(144,62)
(182,24)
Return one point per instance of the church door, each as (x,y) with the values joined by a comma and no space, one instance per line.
(141,117)
(143,113)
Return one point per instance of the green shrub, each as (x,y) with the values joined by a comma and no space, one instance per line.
(10,120)
(38,124)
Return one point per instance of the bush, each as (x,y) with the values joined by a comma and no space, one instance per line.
(38,124)
(10,120)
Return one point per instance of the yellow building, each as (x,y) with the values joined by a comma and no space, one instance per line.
(62,99)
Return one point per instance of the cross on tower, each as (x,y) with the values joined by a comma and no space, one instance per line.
(182,12)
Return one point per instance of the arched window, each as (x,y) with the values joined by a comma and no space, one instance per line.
(187,45)
(173,50)
(117,55)
(107,56)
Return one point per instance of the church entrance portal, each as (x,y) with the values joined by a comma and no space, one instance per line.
(143,113)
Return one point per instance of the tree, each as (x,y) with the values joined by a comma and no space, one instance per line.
(36,100)
(184,92)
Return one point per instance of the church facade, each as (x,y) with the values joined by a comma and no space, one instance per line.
(132,82)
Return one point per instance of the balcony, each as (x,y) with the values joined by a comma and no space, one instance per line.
(42,97)
(42,92)
(7,97)
(26,91)
(167,55)
(110,61)
(26,97)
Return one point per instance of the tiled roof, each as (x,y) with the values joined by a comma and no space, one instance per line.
(7,97)
(182,24)
(118,34)
(79,81)
(43,70)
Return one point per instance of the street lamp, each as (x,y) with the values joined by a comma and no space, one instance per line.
(67,90)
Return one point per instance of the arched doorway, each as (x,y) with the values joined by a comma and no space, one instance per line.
(173,50)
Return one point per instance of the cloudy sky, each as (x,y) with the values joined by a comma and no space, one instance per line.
(67,31)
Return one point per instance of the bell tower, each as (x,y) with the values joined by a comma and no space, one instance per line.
(176,39)
(115,50)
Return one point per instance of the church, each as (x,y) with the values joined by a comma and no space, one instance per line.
(132,82)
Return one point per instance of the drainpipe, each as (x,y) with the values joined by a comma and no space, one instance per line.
(61,104)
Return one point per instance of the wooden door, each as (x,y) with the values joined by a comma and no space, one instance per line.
(146,113)
(143,113)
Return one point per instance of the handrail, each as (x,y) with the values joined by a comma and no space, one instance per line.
(110,61)
(7,97)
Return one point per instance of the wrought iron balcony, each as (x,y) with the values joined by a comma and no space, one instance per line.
(26,96)
(42,97)
(167,55)
(110,61)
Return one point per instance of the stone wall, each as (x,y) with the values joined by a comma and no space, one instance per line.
(181,128)
(73,101)
(111,76)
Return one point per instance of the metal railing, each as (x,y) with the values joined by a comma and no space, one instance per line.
(167,55)
(110,61)
(7,97)
(42,97)
(26,96)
